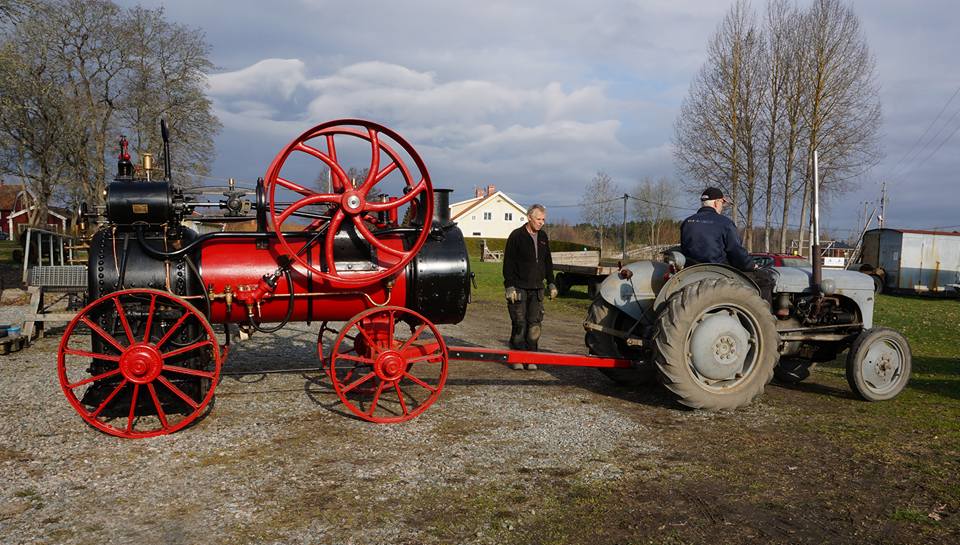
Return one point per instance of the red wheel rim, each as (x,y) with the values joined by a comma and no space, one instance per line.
(347,205)
(393,370)
(139,363)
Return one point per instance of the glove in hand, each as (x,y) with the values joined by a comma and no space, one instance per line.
(512,294)
(552,290)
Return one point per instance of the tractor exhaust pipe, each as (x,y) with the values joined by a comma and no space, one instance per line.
(165,135)
(815,239)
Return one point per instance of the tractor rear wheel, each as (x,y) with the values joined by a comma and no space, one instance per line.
(600,344)
(878,365)
(716,344)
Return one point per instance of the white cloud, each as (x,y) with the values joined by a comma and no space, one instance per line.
(269,76)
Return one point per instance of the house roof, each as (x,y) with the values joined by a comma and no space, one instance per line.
(8,196)
(481,201)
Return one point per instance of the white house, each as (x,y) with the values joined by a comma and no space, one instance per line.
(489,214)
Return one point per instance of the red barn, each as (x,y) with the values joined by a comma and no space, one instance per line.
(14,211)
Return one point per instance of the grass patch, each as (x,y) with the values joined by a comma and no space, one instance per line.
(498,244)
(6,251)
(489,280)
(912,515)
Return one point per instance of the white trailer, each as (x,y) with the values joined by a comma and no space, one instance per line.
(913,260)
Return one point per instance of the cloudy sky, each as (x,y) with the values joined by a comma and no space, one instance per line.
(536,96)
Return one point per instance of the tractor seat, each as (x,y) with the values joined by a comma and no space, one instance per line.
(675,257)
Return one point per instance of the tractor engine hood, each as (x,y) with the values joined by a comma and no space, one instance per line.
(798,279)
(855,286)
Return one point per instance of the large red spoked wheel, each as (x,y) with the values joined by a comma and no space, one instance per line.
(388,364)
(370,207)
(139,363)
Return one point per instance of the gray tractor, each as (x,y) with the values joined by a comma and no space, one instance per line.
(709,336)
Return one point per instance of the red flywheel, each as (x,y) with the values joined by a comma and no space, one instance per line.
(324,200)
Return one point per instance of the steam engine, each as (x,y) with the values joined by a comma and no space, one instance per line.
(377,247)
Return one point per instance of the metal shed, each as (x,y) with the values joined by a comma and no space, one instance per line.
(914,260)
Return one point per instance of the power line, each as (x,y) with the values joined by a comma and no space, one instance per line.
(925,132)
(907,168)
(934,152)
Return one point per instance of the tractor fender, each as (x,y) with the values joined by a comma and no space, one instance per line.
(696,273)
(635,295)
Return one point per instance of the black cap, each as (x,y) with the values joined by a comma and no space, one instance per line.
(711,194)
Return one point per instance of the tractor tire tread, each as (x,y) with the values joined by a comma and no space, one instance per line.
(681,308)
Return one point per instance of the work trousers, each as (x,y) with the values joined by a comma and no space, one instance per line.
(526,315)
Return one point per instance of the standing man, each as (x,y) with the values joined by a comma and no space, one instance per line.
(526,264)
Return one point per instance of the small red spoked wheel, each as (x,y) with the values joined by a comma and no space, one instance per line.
(369,209)
(139,363)
(393,369)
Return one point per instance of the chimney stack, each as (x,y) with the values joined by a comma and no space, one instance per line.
(478,192)
(491,189)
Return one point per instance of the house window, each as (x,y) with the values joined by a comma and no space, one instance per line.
(476,233)
(473,217)
(508,216)
(488,215)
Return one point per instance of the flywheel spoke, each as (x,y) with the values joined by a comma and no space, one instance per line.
(94,378)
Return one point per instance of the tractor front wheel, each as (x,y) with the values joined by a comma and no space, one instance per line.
(878,365)
(716,345)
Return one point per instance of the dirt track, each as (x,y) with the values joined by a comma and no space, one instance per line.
(551,456)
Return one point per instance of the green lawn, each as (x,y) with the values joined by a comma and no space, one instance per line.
(489,278)
(6,251)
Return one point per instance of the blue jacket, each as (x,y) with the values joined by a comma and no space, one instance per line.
(708,237)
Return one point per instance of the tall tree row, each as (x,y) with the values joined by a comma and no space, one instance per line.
(76,74)
(772,90)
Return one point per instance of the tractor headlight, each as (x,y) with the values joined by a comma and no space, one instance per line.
(828,286)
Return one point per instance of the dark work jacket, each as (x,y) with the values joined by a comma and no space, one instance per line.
(709,237)
(522,268)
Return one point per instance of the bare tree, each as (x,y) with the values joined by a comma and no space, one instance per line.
(35,120)
(652,202)
(766,98)
(599,204)
(776,56)
(794,104)
(166,79)
(718,118)
(114,71)
(12,10)
(842,112)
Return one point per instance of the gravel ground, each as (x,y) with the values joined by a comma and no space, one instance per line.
(277,461)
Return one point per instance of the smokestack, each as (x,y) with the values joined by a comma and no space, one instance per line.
(441,206)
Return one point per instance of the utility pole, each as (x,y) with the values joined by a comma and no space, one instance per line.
(883,204)
(623,240)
